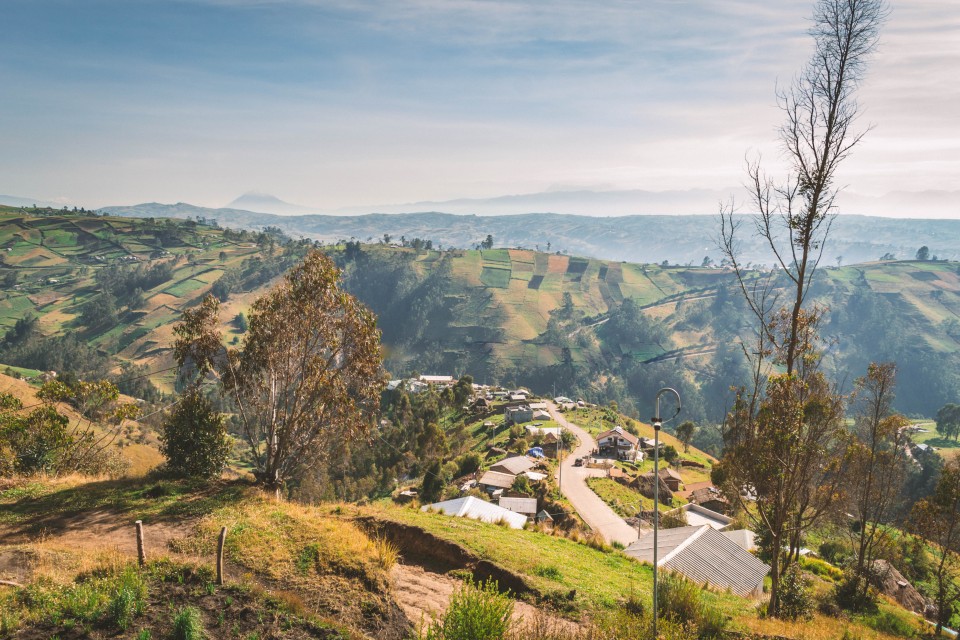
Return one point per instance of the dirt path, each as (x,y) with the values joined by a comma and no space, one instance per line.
(573,485)
(424,595)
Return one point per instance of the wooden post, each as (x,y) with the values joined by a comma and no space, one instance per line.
(220,543)
(141,556)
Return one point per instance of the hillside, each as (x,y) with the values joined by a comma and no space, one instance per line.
(326,571)
(679,239)
(57,267)
(601,328)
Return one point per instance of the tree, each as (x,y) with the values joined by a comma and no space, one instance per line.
(308,375)
(685,433)
(923,253)
(781,436)
(488,243)
(948,421)
(193,438)
(937,518)
(877,466)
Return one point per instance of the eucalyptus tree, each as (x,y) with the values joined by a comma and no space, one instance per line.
(307,376)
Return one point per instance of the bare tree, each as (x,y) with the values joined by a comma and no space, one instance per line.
(781,437)
(876,461)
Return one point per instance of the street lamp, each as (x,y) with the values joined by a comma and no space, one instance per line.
(657,424)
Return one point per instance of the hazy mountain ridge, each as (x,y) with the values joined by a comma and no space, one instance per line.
(679,239)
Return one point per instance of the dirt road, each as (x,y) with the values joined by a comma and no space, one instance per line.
(573,485)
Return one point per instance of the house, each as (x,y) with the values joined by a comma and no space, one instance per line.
(481,404)
(492,481)
(518,414)
(477,509)
(647,444)
(540,414)
(671,478)
(745,539)
(618,443)
(518,397)
(544,517)
(538,406)
(710,498)
(524,506)
(697,515)
(514,466)
(444,380)
(703,554)
(534,430)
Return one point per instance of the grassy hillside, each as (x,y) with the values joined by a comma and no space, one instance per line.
(51,262)
(514,316)
(294,571)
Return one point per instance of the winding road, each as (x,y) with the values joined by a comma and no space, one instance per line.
(573,485)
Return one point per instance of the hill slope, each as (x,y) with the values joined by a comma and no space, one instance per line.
(608,329)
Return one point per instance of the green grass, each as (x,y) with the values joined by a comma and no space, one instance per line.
(497,277)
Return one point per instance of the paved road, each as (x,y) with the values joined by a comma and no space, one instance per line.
(591,508)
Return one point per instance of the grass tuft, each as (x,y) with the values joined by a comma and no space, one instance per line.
(188,625)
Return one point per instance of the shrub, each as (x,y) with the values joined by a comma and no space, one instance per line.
(476,612)
(853,593)
(679,600)
(468,463)
(194,437)
(796,601)
(187,625)
(835,553)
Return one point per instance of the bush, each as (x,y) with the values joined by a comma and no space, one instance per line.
(853,593)
(468,463)
(796,601)
(836,553)
(679,600)
(476,612)
(194,437)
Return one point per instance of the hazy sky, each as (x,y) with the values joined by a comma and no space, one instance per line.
(337,103)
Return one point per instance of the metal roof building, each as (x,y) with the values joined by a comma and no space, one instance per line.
(477,509)
(515,465)
(703,554)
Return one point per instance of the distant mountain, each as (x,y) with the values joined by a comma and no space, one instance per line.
(17,201)
(680,239)
(266,203)
(900,204)
(582,202)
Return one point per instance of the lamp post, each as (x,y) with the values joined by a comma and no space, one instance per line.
(657,424)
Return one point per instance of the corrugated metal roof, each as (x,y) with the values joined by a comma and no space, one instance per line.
(477,509)
(515,465)
(497,479)
(703,554)
(520,505)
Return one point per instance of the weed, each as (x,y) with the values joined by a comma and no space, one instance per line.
(476,612)
(144,634)
(386,553)
(187,625)
(547,571)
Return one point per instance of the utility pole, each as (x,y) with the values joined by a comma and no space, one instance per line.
(657,425)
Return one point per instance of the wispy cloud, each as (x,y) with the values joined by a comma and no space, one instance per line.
(332,102)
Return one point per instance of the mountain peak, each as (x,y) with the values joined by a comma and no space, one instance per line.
(266,203)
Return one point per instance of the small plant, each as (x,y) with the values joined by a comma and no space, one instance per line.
(387,553)
(476,612)
(188,625)
(144,634)
(547,571)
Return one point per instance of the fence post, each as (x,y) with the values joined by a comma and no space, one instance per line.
(220,543)
(141,555)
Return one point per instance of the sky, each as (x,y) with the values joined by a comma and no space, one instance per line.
(347,103)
